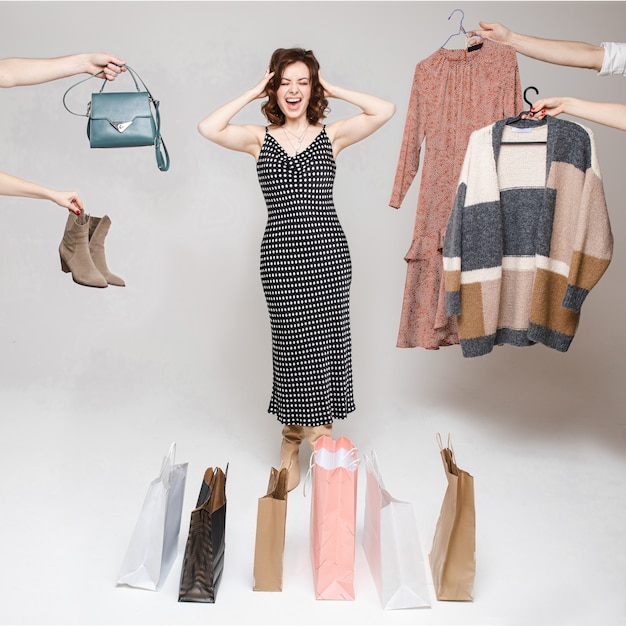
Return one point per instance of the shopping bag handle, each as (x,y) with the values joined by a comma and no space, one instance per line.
(371,461)
(308,479)
(168,463)
(449,458)
(352,465)
(448,445)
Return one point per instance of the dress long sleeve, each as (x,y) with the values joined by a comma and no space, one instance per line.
(453,93)
(411,147)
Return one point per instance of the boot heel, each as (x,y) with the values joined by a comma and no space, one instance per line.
(64,265)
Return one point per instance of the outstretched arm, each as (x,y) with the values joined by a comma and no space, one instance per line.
(18,72)
(216,126)
(13,186)
(375,113)
(606,113)
(570,53)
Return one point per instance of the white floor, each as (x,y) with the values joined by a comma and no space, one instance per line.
(73,474)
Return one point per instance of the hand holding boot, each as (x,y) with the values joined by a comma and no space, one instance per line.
(14,186)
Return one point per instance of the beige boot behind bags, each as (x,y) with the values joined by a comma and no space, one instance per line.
(292,438)
(75,255)
(98,230)
(313,433)
(290,447)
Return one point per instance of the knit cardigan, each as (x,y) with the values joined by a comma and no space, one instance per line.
(529,235)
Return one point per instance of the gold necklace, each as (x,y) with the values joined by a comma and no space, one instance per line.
(300,139)
(296,136)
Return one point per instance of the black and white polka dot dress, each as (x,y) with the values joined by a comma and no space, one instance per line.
(306,273)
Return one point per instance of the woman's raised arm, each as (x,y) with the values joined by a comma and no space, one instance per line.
(217,127)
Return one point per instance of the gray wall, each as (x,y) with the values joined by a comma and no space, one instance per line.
(189,334)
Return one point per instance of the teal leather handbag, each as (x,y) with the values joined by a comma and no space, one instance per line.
(124,119)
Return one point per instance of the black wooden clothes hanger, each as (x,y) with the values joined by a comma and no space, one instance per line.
(526,100)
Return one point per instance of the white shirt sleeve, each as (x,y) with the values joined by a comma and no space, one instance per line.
(614,61)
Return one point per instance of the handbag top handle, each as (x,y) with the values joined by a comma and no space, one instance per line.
(133,75)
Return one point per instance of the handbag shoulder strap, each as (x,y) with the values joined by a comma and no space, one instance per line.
(161,153)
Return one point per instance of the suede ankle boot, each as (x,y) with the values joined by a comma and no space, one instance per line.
(292,438)
(313,433)
(98,230)
(75,255)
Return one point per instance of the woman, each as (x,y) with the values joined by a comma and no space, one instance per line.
(305,261)
(18,72)
(608,58)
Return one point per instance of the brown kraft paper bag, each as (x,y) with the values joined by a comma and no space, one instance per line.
(270,534)
(453,554)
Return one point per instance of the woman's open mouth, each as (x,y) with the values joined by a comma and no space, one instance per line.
(293,103)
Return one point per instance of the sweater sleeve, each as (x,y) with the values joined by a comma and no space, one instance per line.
(453,241)
(412,138)
(593,242)
(452,250)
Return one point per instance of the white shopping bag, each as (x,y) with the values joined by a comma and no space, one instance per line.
(392,546)
(154,542)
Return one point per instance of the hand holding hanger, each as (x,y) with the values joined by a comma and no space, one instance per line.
(535,111)
(569,53)
(610,114)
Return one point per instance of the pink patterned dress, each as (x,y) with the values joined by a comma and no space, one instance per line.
(454,92)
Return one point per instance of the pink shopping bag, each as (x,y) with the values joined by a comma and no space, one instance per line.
(334,469)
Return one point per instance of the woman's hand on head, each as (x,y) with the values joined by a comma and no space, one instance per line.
(328,88)
(261,87)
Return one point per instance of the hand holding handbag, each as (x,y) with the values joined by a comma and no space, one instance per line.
(124,119)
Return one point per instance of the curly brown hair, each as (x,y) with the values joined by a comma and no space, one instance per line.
(281,58)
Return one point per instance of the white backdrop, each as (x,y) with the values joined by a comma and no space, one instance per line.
(95,384)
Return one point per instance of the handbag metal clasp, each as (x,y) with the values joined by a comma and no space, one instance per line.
(120,126)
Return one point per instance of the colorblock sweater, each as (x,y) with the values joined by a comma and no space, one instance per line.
(529,235)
